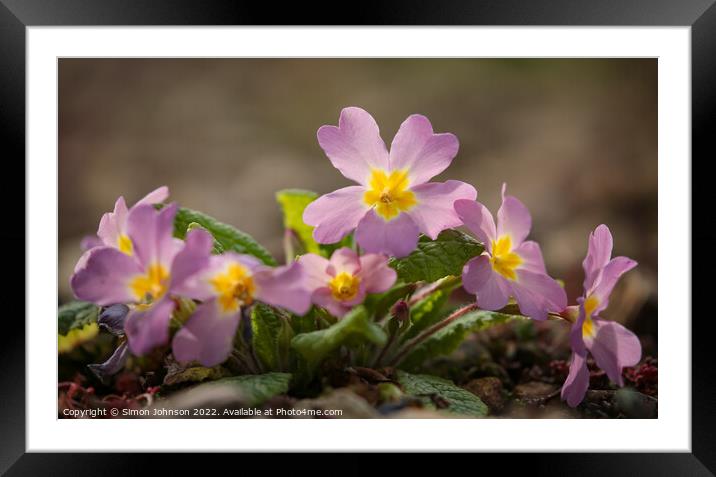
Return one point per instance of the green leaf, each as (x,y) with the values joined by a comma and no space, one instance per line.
(307,322)
(354,328)
(426,387)
(217,248)
(228,237)
(75,315)
(435,259)
(254,388)
(525,331)
(293,202)
(447,339)
(178,373)
(426,312)
(272,334)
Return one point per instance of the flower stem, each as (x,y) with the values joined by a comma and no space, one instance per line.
(424,292)
(289,236)
(244,352)
(387,346)
(410,345)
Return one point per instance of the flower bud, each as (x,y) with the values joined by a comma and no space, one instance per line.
(112,319)
(400,311)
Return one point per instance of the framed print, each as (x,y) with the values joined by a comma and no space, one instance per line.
(279,233)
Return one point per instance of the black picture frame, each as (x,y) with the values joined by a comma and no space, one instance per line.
(700,15)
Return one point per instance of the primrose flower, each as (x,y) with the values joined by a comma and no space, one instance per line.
(112,230)
(612,346)
(342,282)
(145,275)
(228,283)
(510,265)
(393,202)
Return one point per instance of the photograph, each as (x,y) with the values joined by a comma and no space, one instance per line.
(357,238)
(419,228)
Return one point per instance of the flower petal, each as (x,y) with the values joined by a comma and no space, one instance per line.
(90,241)
(614,347)
(435,209)
(113,365)
(254,264)
(207,337)
(491,290)
(324,298)
(199,285)
(336,214)
(375,274)
(577,383)
(344,260)
(284,286)
(608,278)
(537,294)
(397,237)
(576,334)
(478,219)
(151,234)
(531,255)
(112,224)
(598,253)
(104,279)
(156,196)
(147,328)
(314,267)
(354,146)
(193,258)
(82,261)
(513,219)
(420,151)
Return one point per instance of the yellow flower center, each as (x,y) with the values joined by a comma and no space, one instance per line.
(124,244)
(504,261)
(235,287)
(344,286)
(590,304)
(151,286)
(389,193)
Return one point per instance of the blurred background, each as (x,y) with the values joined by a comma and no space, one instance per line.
(575,139)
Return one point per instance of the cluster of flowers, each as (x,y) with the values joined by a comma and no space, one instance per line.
(136,261)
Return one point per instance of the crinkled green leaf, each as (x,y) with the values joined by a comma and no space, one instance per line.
(427,388)
(177,373)
(75,315)
(307,322)
(271,334)
(447,339)
(435,259)
(216,248)
(354,328)
(254,389)
(228,237)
